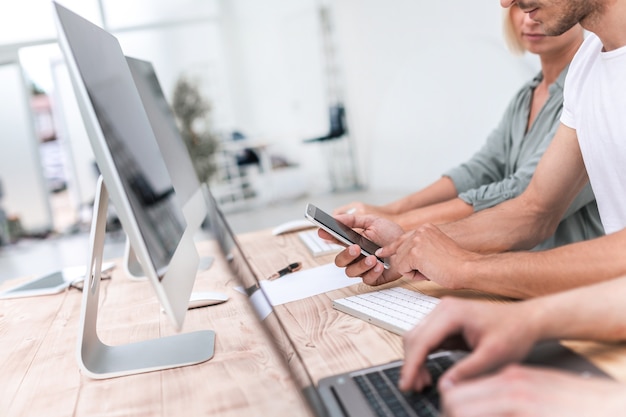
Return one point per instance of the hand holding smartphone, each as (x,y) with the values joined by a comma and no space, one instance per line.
(341,232)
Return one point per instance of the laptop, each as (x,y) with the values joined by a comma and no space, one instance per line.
(369,392)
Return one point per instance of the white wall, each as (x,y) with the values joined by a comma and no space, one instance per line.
(425,82)
(274,52)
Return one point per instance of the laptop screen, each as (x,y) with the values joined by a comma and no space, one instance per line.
(274,327)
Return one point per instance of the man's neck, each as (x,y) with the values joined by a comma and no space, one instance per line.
(608,24)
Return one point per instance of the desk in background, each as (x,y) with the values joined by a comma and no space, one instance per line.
(38,337)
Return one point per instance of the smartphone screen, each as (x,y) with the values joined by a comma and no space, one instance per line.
(340,231)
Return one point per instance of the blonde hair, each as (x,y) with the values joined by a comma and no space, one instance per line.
(512,41)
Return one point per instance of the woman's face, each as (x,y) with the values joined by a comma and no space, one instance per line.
(534,39)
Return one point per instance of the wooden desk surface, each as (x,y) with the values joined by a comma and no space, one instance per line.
(38,337)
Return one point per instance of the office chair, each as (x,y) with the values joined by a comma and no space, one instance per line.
(336,115)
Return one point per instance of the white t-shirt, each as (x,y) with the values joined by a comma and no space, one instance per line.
(595,106)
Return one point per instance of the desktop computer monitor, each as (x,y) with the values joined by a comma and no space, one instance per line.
(136,177)
(189,189)
(166,131)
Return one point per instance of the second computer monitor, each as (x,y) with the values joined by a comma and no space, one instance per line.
(166,131)
(191,192)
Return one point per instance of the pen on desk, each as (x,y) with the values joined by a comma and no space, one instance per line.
(286,270)
(281,273)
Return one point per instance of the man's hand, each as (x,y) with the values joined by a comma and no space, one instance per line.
(376,229)
(534,392)
(428,252)
(496,334)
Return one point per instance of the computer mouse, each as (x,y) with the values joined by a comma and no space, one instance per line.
(292,226)
(206,298)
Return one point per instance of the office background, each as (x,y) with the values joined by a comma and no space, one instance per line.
(422,84)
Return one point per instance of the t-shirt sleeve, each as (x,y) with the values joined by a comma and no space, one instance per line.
(577,69)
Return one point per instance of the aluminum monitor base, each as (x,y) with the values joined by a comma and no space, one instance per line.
(98,360)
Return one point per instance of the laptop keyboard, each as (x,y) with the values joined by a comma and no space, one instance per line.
(316,245)
(382,393)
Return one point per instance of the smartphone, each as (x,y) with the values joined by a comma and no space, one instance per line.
(341,232)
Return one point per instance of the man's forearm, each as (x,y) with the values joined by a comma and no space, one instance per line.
(507,226)
(530,274)
(593,313)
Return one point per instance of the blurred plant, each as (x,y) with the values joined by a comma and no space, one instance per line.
(193,114)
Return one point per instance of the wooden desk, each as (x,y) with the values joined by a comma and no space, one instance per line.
(38,336)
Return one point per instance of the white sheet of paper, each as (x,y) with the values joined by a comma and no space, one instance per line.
(307,283)
(299,285)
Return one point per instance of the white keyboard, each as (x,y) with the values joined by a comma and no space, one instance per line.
(316,245)
(393,309)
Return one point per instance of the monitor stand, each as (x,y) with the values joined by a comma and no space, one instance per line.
(98,360)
